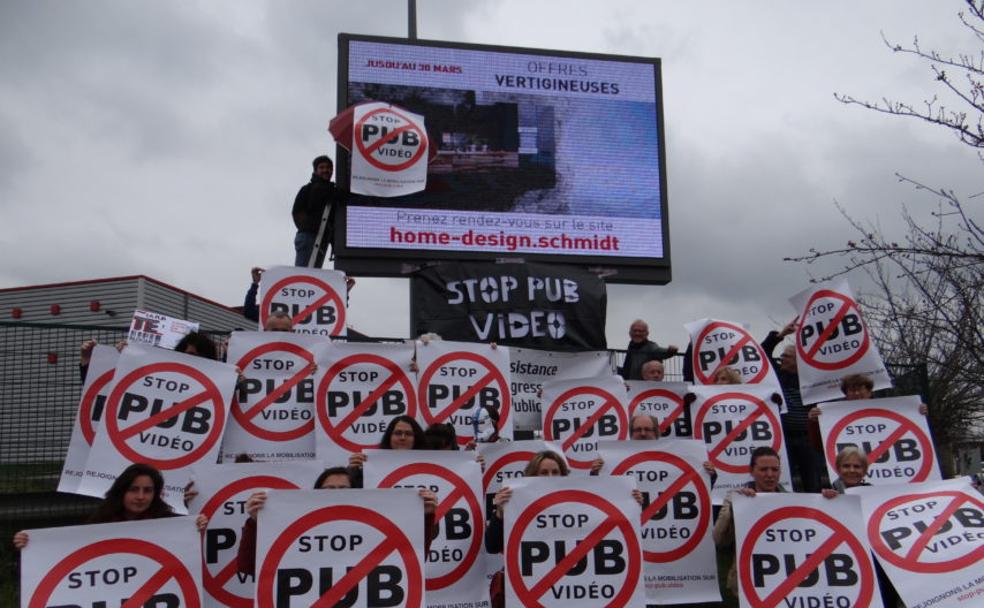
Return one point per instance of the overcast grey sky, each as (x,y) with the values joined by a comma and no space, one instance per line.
(169,138)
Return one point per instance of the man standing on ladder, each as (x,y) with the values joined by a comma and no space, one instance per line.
(314,215)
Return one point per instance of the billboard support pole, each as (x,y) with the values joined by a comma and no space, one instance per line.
(412,19)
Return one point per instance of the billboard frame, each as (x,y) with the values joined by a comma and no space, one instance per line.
(400,262)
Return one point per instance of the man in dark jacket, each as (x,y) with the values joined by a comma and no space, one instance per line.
(309,207)
(640,350)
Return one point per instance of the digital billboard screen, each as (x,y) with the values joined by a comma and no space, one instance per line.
(541,155)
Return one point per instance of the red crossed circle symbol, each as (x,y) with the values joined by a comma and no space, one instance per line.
(610,402)
(211,394)
(391,137)
(503,462)
(245,417)
(393,540)
(330,295)
(905,426)
(396,376)
(215,583)
(492,375)
(761,409)
(86,403)
(809,357)
(170,567)
(460,491)
(841,535)
(614,520)
(659,393)
(689,475)
(910,561)
(746,338)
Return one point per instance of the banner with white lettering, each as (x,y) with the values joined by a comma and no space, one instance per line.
(518,304)
(798,549)
(340,548)
(315,299)
(458,380)
(718,344)
(155,329)
(222,493)
(929,538)
(455,567)
(680,564)
(135,563)
(573,542)
(273,410)
(389,150)
(361,389)
(733,420)
(505,463)
(532,368)
(95,389)
(891,431)
(166,409)
(664,400)
(577,413)
(833,341)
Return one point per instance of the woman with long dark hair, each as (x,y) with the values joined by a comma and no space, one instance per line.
(134,495)
(402,433)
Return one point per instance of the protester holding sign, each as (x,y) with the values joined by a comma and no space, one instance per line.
(803,459)
(132,563)
(403,433)
(134,495)
(765,468)
(335,478)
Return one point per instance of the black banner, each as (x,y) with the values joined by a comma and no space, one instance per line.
(533,305)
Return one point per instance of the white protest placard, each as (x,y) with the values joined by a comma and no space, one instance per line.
(457,379)
(95,389)
(577,413)
(573,542)
(833,341)
(679,558)
(389,150)
(929,538)
(505,463)
(222,493)
(153,562)
(315,299)
(340,547)
(156,329)
(891,431)
(733,420)
(166,409)
(532,368)
(718,344)
(455,567)
(666,401)
(361,389)
(273,410)
(798,549)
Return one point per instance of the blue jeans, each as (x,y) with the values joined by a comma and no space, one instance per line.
(303,244)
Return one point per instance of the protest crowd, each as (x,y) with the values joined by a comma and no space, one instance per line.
(493,475)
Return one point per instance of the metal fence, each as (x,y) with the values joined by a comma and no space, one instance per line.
(40,386)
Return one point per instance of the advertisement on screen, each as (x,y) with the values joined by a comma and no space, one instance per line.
(537,153)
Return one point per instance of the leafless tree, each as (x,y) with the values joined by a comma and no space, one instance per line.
(926,296)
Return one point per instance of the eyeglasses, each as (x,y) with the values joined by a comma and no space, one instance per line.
(403,433)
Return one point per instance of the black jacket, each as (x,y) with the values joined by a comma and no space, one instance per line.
(310,202)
